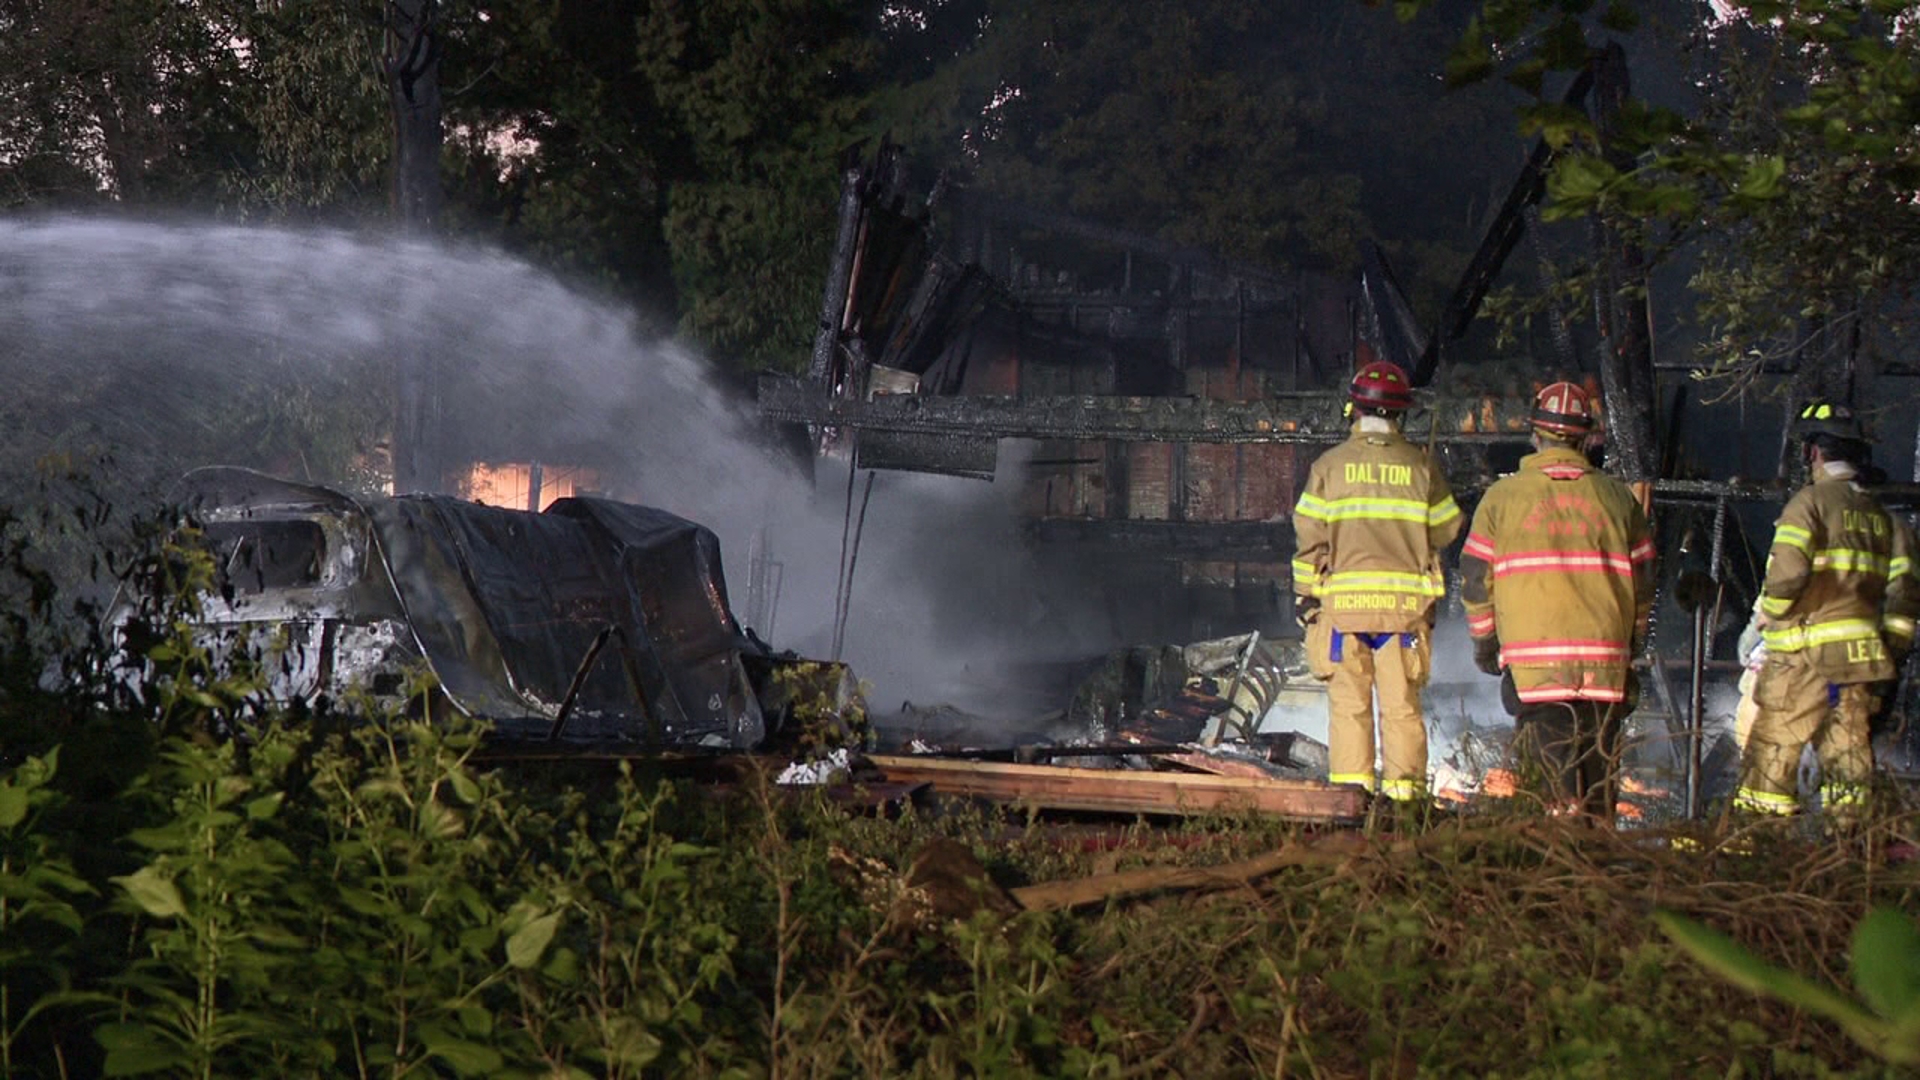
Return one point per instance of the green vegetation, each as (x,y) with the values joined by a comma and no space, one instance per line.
(1886,969)
(1779,182)
(197,883)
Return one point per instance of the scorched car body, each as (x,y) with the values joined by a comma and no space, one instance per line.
(593,621)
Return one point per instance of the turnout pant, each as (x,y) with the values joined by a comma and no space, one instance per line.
(1798,706)
(1571,750)
(1746,711)
(1392,668)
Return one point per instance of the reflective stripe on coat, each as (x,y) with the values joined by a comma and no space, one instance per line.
(1559,566)
(1369,527)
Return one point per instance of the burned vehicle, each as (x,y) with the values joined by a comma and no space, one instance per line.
(592,622)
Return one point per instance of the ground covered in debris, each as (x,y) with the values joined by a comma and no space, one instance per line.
(321,898)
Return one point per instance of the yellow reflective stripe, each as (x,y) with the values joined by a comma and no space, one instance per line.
(1776,605)
(1898,624)
(1842,795)
(1365,509)
(1793,536)
(1795,638)
(1365,780)
(1850,559)
(1443,511)
(1304,569)
(1901,566)
(1353,581)
(1766,802)
(1312,506)
(1402,790)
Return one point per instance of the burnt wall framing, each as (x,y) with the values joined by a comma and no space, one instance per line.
(1312,418)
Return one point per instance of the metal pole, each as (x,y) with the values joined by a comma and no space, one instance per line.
(1695,719)
(1697,726)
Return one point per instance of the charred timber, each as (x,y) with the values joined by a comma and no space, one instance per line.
(1293,418)
(1227,541)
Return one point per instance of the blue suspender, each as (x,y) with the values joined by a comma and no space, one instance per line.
(1337,651)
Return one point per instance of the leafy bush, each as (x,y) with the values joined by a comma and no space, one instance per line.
(196,882)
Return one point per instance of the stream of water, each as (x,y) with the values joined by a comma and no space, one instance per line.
(137,335)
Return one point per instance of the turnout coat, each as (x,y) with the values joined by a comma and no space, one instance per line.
(1558,568)
(1369,526)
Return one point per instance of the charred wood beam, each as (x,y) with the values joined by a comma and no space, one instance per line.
(1056,303)
(1291,418)
(1504,234)
(833,301)
(1899,496)
(1224,541)
(1715,490)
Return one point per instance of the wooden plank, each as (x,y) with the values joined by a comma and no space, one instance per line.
(1266,482)
(1150,481)
(1126,790)
(1215,765)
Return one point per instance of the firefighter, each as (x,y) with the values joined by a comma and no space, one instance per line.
(1836,614)
(1557,575)
(1370,525)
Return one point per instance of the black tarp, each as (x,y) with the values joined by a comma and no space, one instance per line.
(505,605)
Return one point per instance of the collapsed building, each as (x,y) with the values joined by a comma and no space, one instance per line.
(1173,401)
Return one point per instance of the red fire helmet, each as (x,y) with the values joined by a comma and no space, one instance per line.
(1563,409)
(1381,385)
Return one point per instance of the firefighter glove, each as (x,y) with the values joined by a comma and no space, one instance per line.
(1486,654)
(1305,610)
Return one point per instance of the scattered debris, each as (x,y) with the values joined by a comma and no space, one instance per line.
(1203,692)
(834,767)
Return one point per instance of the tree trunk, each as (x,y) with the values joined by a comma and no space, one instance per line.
(413,84)
(1620,304)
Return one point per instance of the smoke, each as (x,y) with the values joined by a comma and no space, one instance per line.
(947,606)
(160,344)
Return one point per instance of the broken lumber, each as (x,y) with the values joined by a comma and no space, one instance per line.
(1056,787)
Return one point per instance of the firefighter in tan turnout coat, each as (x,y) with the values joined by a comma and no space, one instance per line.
(1557,575)
(1370,525)
(1837,614)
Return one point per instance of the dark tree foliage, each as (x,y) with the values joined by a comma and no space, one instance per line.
(686,155)
(1283,134)
(1785,185)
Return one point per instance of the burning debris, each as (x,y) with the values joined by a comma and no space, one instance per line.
(1166,730)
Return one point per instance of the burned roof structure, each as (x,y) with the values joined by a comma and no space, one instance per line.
(1165,390)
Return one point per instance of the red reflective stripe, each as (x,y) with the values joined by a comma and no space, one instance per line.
(1570,693)
(1535,651)
(1527,562)
(1478,546)
(1568,646)
(1643,551)
(1564,472)
(1479,625)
